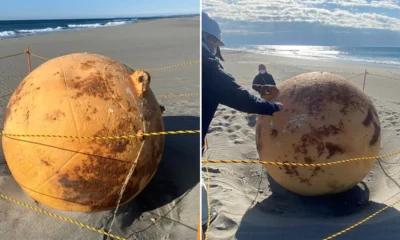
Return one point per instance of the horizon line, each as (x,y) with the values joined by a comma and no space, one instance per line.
(94,18)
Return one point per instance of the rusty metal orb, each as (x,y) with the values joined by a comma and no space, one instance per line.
(326,118)
(83,95)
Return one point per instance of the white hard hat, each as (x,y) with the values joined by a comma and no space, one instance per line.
(210,26)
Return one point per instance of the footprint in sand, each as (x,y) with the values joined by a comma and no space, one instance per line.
(226,224)
(389,118)
(231,130)
(215,129)
(220,111)
(211,170)
(248,132)
(388,112)
(241,141)
(234,128)
(233,137)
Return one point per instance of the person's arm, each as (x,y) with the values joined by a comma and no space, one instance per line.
(229,93)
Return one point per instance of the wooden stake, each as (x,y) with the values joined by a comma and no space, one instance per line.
(28,54)
(365,77)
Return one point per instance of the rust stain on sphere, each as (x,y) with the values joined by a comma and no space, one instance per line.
(326,119)
(83,95)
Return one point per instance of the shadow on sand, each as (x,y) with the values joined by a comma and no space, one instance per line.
(286,215)
(177,173)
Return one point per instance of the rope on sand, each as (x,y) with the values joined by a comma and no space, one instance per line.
(362,221)
(12,55)
(60,217)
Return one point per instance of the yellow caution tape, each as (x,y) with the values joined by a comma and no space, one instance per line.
(301,164)
(103,137)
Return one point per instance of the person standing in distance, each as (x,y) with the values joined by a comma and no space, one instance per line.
(263,81)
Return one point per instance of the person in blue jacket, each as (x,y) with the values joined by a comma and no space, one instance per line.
(218,86)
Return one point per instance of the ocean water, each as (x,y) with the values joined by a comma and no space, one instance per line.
(22,28)
(382,56)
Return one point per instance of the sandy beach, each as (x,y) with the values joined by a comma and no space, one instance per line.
(250,205)
(167,208)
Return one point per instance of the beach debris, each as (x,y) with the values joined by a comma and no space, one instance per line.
(83,95)
(326,118)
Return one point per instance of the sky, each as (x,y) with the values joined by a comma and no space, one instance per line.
(60,9)
(308,22)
